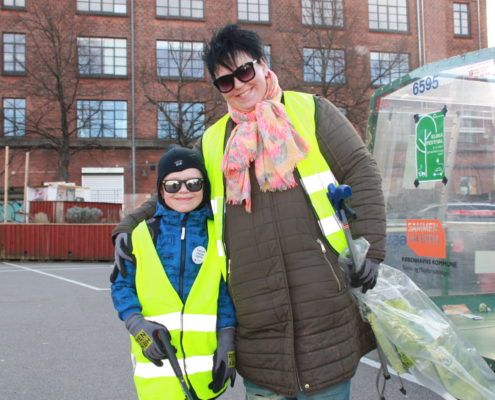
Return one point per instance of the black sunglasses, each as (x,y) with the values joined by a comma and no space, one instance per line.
(174,185)
(244,73)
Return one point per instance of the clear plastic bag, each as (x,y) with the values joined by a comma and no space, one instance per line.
(416,337)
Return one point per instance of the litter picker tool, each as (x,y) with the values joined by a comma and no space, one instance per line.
(338,196)
(167,348)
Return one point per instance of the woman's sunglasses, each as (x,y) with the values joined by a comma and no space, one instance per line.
(244,73)
(174,185)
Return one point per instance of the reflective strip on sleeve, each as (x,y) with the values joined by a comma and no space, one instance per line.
(191,322)
(319,181)
(193,364)
(330,225)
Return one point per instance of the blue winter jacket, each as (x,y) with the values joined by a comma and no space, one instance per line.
(179,260)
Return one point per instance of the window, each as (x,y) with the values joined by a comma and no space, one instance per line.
(180,59)
(386,67)
(14,3)
(103,6)
(323,12)
(267,49)
(102,56)
(14,53)
(101,119)
(253,10)
(461,19)
(14,117)
(189,122)
(388,15)
(324,66)
(179,8)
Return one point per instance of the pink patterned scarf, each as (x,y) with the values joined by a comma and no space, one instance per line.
(266,136)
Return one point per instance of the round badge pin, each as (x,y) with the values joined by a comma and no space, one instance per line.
(198,255)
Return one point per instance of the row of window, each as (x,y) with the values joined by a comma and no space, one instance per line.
(108,57)
(384,15)
(108,119)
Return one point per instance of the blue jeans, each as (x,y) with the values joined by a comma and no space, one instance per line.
(341,391)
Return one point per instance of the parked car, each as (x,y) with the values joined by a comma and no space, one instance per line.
(460,212)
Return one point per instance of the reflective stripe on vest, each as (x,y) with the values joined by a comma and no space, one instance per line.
(314,171)
(192,325)
(214,142)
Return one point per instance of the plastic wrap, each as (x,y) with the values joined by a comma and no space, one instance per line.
(416,337)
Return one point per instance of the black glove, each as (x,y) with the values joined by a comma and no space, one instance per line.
(122,251)
(367,275)
(147,335)
(224,360)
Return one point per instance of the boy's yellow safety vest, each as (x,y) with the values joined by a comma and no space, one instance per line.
(314,171)
(192,325)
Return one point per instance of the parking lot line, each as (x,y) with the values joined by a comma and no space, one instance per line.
(56,277)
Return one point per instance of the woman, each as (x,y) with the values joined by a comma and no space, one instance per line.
(270,160)
(174,290)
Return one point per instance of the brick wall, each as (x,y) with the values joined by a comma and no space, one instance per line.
(285,34)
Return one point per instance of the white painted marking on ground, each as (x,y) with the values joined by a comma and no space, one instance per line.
(56,277)
(55,269)
(406,376)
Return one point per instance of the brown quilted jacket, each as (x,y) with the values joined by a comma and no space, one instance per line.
(298,326)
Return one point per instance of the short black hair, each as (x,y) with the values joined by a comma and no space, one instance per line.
(227,43)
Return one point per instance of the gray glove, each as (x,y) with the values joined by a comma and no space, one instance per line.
(224,360)
(366,276)
(122,252)
(148,335)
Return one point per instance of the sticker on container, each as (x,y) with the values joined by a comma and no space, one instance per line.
(198,255)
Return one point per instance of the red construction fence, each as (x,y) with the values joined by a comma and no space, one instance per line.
(88,242)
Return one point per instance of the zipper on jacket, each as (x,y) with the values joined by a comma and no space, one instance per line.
(182,257)
(324,251)
(276,227)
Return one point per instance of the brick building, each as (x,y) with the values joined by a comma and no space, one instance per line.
(98,88)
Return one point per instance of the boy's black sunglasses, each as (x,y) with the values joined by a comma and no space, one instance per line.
(244,73)
(174,185)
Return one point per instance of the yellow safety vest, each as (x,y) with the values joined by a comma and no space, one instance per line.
(192,325)
(314,171)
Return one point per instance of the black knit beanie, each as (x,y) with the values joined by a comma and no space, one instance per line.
(178,159)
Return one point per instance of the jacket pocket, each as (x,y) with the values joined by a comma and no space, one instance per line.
(339,274)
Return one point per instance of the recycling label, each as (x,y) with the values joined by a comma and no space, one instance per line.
(430,147)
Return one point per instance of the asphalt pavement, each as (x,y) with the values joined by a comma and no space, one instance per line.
(61,339)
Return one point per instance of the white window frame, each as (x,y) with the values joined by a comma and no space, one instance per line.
(461,19)
(388,15)
(101,57)
(253,11)
(116,7)
(14,3)
(390,66)
(179,59)
(103,119)
(323,13)
(314,63)
(14,53)
(192,115)
(16,106)
(187,9)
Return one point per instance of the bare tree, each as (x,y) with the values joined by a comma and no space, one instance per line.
(185,106)
(54,82)
(335,65)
